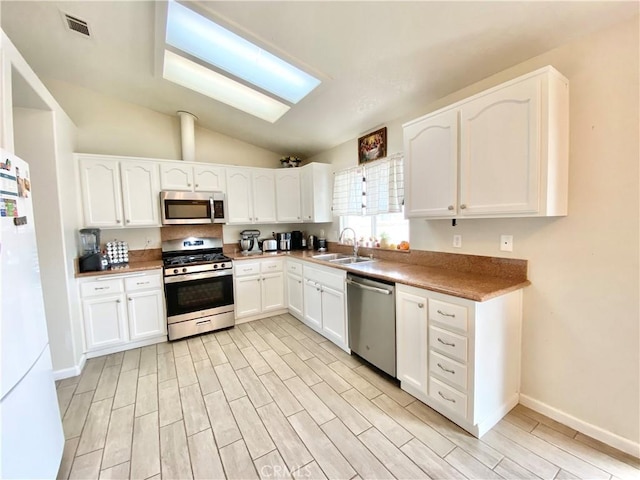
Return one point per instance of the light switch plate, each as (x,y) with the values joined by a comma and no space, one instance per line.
(457,241)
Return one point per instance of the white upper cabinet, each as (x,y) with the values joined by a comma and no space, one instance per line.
(208,178)
(264,195)
(251,195)
(288,195)
(118,192)
(101,192)
(501,153)
(316,192)
(431,178)
(140,187)
(188,177)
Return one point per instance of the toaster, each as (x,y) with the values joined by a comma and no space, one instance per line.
(270,246)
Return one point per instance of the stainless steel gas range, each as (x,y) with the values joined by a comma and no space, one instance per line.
(198,284)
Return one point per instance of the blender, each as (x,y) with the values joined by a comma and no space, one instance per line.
(91,260)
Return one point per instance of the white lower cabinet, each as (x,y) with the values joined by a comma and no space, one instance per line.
(295,289)
(460,357)
(325,303)
(258,287)
(123,311)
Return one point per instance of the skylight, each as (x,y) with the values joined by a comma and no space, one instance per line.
(199,37)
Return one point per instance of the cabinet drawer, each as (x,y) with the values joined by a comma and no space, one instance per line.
(452,371)
(101,287)
(448,314)
(294,267)
(246,268)
(143,282)
(451,344)
(449,397)
(270,266)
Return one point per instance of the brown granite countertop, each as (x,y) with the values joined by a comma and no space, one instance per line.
(130,268)
(472,285)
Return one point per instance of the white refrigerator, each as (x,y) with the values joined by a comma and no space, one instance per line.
(32,439)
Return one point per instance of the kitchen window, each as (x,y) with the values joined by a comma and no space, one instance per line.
(372,227)
(369,199)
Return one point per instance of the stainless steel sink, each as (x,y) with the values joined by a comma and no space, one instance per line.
(342,258)
(329,257)
(349,260)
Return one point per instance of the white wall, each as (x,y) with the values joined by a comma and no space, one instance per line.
(44,136)
(581,352)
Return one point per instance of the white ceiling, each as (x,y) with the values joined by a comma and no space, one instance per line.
(377,60)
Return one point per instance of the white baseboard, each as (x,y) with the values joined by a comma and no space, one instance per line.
(70,372)
(605,436)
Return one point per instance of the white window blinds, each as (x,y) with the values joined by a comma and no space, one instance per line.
(372,189)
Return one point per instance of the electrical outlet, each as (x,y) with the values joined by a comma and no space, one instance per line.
(457,241)
(506,243)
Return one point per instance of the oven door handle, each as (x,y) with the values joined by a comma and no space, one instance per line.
(198,276)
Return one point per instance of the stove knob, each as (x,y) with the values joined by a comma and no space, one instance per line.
(175,270)
(184,270)
(222,265)
(215,265)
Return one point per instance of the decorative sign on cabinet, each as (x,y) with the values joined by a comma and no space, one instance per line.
(460,357)
(501,153)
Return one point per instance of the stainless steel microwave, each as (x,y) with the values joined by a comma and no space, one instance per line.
(192,208)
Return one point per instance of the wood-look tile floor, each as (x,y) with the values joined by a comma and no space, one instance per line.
(273,399)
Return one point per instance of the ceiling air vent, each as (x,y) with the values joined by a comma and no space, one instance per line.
(76,25)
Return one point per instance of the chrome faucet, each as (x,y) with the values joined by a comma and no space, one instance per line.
(355,240)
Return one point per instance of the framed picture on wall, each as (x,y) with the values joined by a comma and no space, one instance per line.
(372,146)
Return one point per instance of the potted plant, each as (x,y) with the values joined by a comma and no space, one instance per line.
(290,161)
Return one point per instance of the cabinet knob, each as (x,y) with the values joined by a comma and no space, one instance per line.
(309,217)
(117,221)
(256,218)
(118,301)
(188,184)
(298,218)
(128,221)
(197,185)
(450,207)
(421,305)
(463,206)
(130,299)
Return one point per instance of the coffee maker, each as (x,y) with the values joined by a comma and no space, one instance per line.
(296,240)
(91,260)
(284,241)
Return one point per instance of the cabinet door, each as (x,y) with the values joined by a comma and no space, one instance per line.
(312,304)
(146,314)
(500,158)
(316,192)
(247,296)
(272,289)
(431,149)
(264,196)
(411,338)
(334,320)
(239,198)
(295,295)
(176,176)
(140,193)
(101,192)
(288,195)
(209,178)
(104,321)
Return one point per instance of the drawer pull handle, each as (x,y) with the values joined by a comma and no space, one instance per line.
(447,399)
(447,370)
(203,322)
(446,343)
(246,269)
(421,305)
(142,283)
(452,315)
(102,288)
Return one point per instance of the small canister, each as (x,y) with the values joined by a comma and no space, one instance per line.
(311,242)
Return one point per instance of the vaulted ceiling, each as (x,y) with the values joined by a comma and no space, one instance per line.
(376,60)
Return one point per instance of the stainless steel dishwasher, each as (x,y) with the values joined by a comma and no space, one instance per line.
(372,321)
